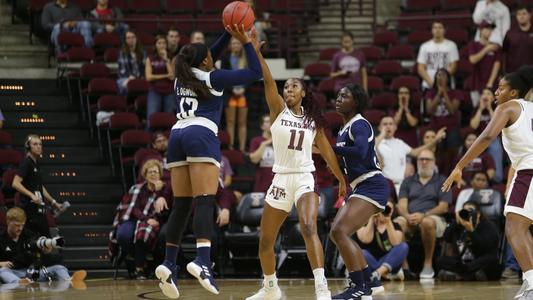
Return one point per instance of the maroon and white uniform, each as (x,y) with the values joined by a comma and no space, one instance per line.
(518,142)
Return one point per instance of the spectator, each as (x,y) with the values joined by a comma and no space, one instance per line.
(421,206)
(236,96)
(136,225)
(486,58)
(445,157)
(262,153)
(480,192)
(28,182)
(225,196)
(262,22)
(436,54)
(493,12)
(2,119)
(349,65)
(19,248)
(518,43)
(473,247)
(130,62)
(406,117)
(197,37)
(63,15)
(442,105)
(394,151)
(173,42)
(160,144)
(160,74)
(383,245)
(483,162)
(103,13)
(479,121)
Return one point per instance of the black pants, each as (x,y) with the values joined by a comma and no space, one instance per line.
(487,263)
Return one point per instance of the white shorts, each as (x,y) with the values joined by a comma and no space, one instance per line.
(286,189)
(520,195)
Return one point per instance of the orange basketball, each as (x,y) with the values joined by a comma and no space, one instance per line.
(240,13)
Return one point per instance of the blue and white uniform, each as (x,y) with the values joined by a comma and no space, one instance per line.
(194,136)
(356,145)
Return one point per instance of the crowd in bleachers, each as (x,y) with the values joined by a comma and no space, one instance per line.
(428,109)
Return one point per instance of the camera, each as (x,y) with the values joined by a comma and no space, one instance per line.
(56,242)
(388,211)
(466,214)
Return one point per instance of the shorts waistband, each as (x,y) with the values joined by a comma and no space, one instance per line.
(199,121)
(362,178)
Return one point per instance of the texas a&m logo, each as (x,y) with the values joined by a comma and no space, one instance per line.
(277,192)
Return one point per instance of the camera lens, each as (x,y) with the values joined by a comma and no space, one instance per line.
(465,214)
(387,210)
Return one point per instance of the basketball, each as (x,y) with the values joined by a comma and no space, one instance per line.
(239,13)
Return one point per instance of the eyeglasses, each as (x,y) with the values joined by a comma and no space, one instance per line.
(425,159)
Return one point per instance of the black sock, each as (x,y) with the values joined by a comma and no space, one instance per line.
(203,216)
(177,221)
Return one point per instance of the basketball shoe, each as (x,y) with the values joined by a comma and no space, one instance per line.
(322,292)
(355,292)
(267,293)
(167,273)
(204,274)
(375,284)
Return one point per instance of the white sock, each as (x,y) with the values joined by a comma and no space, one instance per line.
(271,281)
(528,275)
(320,279)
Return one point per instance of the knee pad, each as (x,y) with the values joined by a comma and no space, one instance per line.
(203,216)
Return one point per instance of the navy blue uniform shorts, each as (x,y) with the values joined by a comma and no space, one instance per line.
(374,190)
(193,144)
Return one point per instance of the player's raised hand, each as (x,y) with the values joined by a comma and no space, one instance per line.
(455,176)
(239,33)
(255,41)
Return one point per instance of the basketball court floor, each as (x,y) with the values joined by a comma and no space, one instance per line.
(293,289)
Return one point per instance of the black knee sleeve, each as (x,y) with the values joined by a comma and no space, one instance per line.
(203,216)
(177,221)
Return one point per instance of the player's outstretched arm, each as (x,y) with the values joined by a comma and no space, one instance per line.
(331,159)
(504,115)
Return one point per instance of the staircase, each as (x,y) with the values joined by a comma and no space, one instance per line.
(359,19)
(72,166)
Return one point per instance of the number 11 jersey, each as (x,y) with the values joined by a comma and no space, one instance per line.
(292,140)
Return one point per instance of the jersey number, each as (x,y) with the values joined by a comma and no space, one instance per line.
(193,104)
(301,134)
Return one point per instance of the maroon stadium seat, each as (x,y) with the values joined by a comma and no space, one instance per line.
(317,70)
(79,54)
(384,101)
(459,36)
(10,157)
(422,5)
(385,38)
(418,37)
(421,21)
(98,87)
(372,53)
(131,139)
(456,19)
(70,39)
(111,55)
(141,156)
(409,81)
(387,68)
(5,138)
(119,122)
(327,86)
(106,40)
(112,103)
(401,52)
(333,119)
(223,137)
(235,157)
(180,6)
(94,70)
(137,86)
(214,6)
(85,5)
(142,6)
(458,4)
(327,54)
(374,116)
(320,99)
(375,85)
(146,24)
(122,4)
(161,121)
(139,104)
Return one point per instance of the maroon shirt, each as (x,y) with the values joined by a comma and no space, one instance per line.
(406,132)
(142,199)
(518,46)
(441,117)
(483,163)
(351,62)
(324,178)
(263,175)
(159,67)
(482,70)
(483,121)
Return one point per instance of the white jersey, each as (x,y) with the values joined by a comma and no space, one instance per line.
(292,140)
(518,138)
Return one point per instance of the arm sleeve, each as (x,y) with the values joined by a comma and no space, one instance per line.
(360,134)
(219,45)
(221,79)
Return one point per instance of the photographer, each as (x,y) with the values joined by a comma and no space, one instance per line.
(383,245)
(473,247)
(22,253)
(28,182)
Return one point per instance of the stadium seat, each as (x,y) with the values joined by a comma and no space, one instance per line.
(70,39)
(374,116)
(384,101)
(456,19)
(401,52)
(122,4)
(387,69)
(375,85)
(131,139)
(409,81)
(112,103)
(145,23)
(327,54)
(98,87)
(320,99)
(145,6)
(105,40)
(87,72)
(422,5)
(327,86)
(111,55)
(5,138)
(140,157)
(385,38)
(136,87)
(317,70)
(139,105)
(146,39)
(161,121)
(242,177)
(180,6)
(214,6)
(459,36)
(334,120)
(224,139)
(10,157)
(448,5)
(418,37)
(119,122)
(372,53)
(410,21)
(85,5)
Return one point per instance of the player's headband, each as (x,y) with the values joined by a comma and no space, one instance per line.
(200,53)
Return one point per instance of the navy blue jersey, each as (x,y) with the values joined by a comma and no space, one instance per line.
(189,107)
(356,145)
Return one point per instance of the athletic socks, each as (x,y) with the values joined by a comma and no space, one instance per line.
(357,277)
(271,281)
(320,279)
(204,252)
(367,274)
(528,276)
(171,253)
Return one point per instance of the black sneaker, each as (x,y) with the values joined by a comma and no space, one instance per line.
(354,292)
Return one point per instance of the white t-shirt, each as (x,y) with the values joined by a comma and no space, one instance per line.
(436,56)
(494,13)
(394,152)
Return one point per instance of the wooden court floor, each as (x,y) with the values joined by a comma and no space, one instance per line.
(104,289)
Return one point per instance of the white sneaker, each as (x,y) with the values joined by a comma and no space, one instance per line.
(522,290)
(397,276)
(267,294)
(322,292)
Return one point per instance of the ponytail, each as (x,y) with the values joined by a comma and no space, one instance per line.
(184,74)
